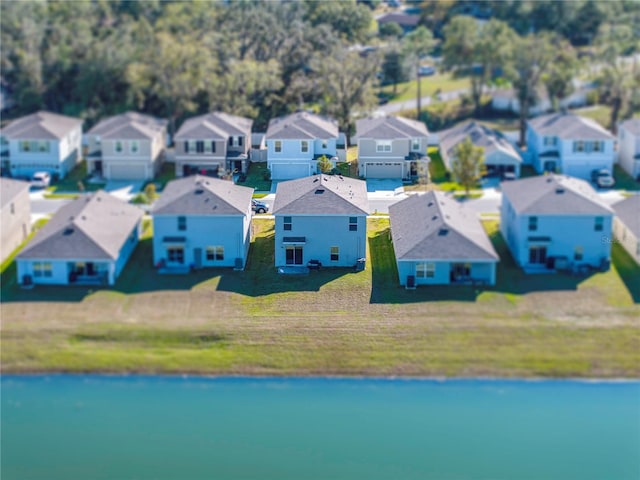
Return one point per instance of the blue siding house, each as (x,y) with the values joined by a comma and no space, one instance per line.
(323,218)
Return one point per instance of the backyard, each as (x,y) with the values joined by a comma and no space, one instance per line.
(333,321)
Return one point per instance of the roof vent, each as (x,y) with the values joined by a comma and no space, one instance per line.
(435,217)
(199,191)
(319,191)
(549,179)
(315,179)
(560,190)
(430,204)
(68,231)
(443,231)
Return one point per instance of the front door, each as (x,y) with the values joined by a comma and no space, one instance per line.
(538,254)
(98,167)
(294,255)
(460,271)
(197,257)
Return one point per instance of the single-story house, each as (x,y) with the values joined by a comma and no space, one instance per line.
(626,225)
(15,215)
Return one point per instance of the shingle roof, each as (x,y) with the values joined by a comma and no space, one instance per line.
(389,128)
(129,125)
(322,195)
(632,126)
(93,226)
(481,136)
(628,211)
(40,126)
(10,189)
(554,195)
(302,126)
(200,195)
(214,125)
(434,226)
(569,126)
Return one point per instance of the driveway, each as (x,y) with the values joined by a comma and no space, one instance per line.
(124,190)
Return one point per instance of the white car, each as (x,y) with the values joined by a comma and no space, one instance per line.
(41,180)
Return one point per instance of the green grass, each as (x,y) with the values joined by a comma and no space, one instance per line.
(256,177)
(75,181)
(439,175)
(334,321)
(441,82)
(53,196)
(599,113)
(347,169)
(624,181)
(166,174)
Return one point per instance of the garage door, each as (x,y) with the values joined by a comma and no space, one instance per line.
(127,172)
(582,170)
(289,171)
(384,170)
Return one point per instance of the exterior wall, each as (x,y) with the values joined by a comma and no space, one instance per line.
(321,233)
(565,232)
(400,149)
(627,239)
(15,224)
(181,154)
(628,150)
(148,156)
(231,232)
(60,270)
(501,158)
(126,251)
(482,271)
(292,152)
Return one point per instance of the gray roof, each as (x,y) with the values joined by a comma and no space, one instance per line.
(322,195)
(434,226)
(302,126)
(129,125)
(569,126)
(554,195)
(389,128)
(628,211)
(400,18)
(632,126)
(481,136)
(10,189)
(214,125)
(40,126)
(93,226)
(200,195)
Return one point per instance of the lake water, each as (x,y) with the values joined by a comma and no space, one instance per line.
(104,427)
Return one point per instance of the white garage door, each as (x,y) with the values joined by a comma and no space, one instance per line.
(583,170)
(384,170)
(289,171)
(127,172)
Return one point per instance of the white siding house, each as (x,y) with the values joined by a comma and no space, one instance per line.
(296,142)
(391,147)
(15,215)
(569,144)
(438,241)
(202,222)
(323,218)
(629,147)
(626,225)
(42,141)
(554,222)
(87,242)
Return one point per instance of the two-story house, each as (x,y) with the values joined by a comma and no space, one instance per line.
(129,146)
(569,144)
(438,240)
(15,215)
(322,218)
(295,143)
(201,221)
(212,144)
(629,147)
(42,142)
(555,222)
(500,156)
(88,241)
(390,147)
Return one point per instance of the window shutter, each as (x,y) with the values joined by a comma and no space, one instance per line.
(186,147)
(230,141)
(213,146)
(240,141)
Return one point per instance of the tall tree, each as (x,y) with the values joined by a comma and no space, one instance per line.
(558,79)
(467,165)
(417,45)
(394,67)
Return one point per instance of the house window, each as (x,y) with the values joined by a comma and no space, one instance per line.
(415,144)
(25,146)
(324,144)
(550,141)
(96,139)
(598,146)
(175,254)
(353,224)
(43,146)
(134,146)
(599,224)
(578,146)
(42,269)
(538,254)
(287,223)
(200,146)
(192,146)
(209,146)
(182,223)
(383,146)
(278,146)
(335,254)
(304,146)
(533,224)
(118,146)
(215,253)
(578,253)
(425,270)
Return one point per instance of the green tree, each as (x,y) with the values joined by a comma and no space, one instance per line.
(390,30)
(394,67)
(417,45)
(324,164)
(467,165)
(558,79)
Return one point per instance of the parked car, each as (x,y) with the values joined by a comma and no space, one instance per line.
(41,180)
(426,71)
(259,207)
(603,178)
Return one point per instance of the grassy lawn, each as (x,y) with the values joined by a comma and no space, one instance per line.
(256,177)
(624,180)
(442,82)
(438,173)
(599,113)
(71,183)
(167,173)
(333,321)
